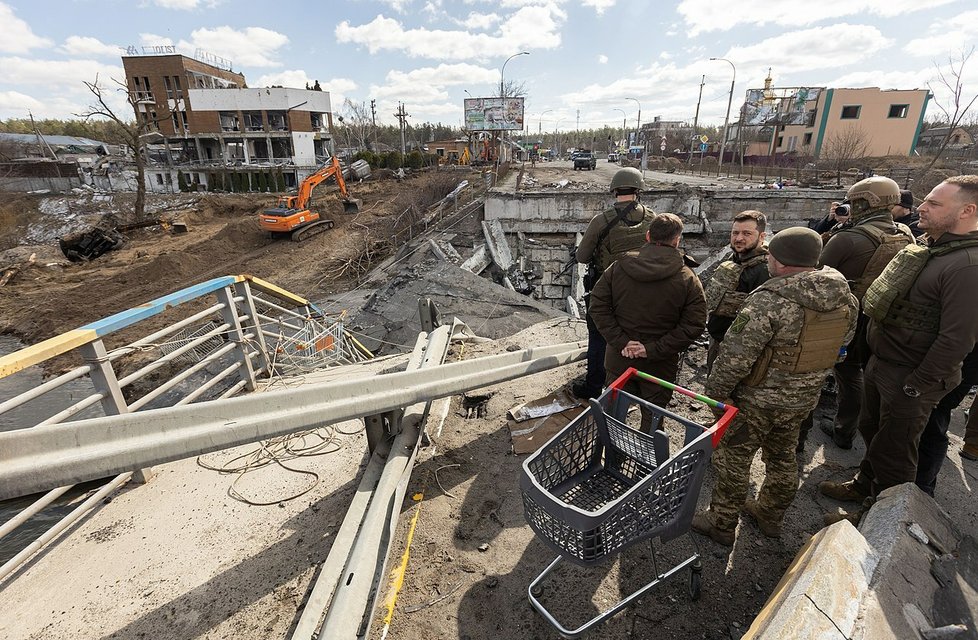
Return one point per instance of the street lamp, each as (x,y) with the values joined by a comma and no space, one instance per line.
(624,121)
(556,140)
(467,92)
(638,127)
(502,70)
(726,120)
(540,123)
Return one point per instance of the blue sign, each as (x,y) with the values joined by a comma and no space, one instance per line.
(702,146)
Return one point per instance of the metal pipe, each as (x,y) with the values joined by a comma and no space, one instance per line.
(199,391)
(173,355)
(288,312)
(165,331)
(31,510)
(63,524)
(33,460)
(180,377)
(78,407)
(41,389)
(238,386)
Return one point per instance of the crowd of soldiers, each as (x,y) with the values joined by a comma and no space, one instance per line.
(876,295)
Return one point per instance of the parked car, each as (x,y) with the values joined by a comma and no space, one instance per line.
(585,160)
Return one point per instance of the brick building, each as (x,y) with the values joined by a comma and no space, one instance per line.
(209,120)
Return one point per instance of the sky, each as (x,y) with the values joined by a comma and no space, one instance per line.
(590,63)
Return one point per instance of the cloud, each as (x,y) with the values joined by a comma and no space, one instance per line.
(14,104)
(427,84)
(86,46)
(481,21)
(839,45)
(248,47)
(946,36)
(708,15)
(536,27)
(61,73)
(600,6)
(602,59)
(400,6)
(185,5)
(15,34)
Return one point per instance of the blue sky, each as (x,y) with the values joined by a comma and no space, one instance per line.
(587,61)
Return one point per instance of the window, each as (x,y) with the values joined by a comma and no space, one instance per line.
(159,179)
(851,112)
(780,141)
(253,121)
(807,140)
(899,110)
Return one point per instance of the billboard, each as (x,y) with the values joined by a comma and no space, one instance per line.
(784,106)
(494,114)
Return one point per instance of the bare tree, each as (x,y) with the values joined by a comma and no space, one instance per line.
(130,131)
(844,148)
(957,105)
(356,123)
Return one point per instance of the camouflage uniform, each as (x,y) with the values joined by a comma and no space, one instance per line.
(773,402)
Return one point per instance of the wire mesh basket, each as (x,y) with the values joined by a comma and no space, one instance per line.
(600,486)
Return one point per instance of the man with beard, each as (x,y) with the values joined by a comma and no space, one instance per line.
(922,326)
(736,276)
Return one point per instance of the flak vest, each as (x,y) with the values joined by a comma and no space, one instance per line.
(886,298)
(888,244)
(816,348)
(722,297)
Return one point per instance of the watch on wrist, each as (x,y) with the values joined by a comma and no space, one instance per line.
(911,391)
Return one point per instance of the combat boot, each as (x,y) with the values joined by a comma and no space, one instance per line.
(828,429)
(852,516)
(702,524)
(969,452)
(581,390)
(770,528)
(844,491)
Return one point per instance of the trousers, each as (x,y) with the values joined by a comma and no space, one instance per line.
(596,346)
(775,433)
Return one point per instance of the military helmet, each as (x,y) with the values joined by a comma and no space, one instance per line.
(878,192)
(627,178)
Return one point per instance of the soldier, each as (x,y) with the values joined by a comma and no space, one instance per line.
(737,276)
(860,248)
(970,449)
(771,366)
(904,212)
(922,325)
(649,306)
(607,237)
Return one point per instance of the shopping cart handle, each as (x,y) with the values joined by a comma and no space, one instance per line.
(720,427)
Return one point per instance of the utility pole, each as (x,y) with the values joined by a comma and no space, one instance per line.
(373,119)
(696,120)
(402,117)
(577,130)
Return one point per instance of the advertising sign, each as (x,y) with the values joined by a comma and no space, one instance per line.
(494,114)
(781,105)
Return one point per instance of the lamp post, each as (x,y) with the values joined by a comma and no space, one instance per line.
(540,123)
(624,121)
(638,126)
(556,140)
(502,71)
(726,120)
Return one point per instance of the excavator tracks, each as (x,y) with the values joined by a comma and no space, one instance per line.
(310,230)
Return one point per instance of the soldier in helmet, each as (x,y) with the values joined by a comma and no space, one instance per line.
(610,235)
(771,365)
(922,325)
(860,248)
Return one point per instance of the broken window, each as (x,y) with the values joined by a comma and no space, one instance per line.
(168,86)
(317,121)
(253,121)
(177,88)
(277,121)
(898,111)
(229,121)
(851,112)
(186,123)
(807,140)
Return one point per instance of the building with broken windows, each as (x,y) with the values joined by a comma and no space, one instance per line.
(838,124)
(217,131)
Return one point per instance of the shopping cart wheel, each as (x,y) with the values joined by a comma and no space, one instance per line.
(695,581)
(537,590)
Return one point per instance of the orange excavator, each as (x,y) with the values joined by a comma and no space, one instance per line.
(292,215)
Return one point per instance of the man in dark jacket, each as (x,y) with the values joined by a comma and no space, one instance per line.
(860,248)
(607,237)
(737,276)
(904,212)
(649,306)
(922,326)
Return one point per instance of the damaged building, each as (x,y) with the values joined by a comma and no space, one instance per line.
(211,124)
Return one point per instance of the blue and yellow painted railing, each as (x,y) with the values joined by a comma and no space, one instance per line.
(60,344)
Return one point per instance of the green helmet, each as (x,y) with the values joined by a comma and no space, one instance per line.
(628,178)
(878,192)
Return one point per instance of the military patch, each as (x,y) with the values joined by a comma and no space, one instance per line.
(739,323)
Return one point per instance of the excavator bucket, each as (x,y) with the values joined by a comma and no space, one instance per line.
(351,205)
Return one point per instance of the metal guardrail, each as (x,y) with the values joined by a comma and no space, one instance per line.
(240,337)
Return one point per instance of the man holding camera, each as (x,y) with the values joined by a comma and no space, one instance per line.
(609,236)
(860,247)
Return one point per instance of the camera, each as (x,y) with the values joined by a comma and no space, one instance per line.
(843,209)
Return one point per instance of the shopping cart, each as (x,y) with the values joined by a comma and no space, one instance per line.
(600,486)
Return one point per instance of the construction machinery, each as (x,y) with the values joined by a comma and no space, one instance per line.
(292,215)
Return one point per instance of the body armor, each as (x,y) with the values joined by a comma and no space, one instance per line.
(722,297)
(887,246)
(886,298)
